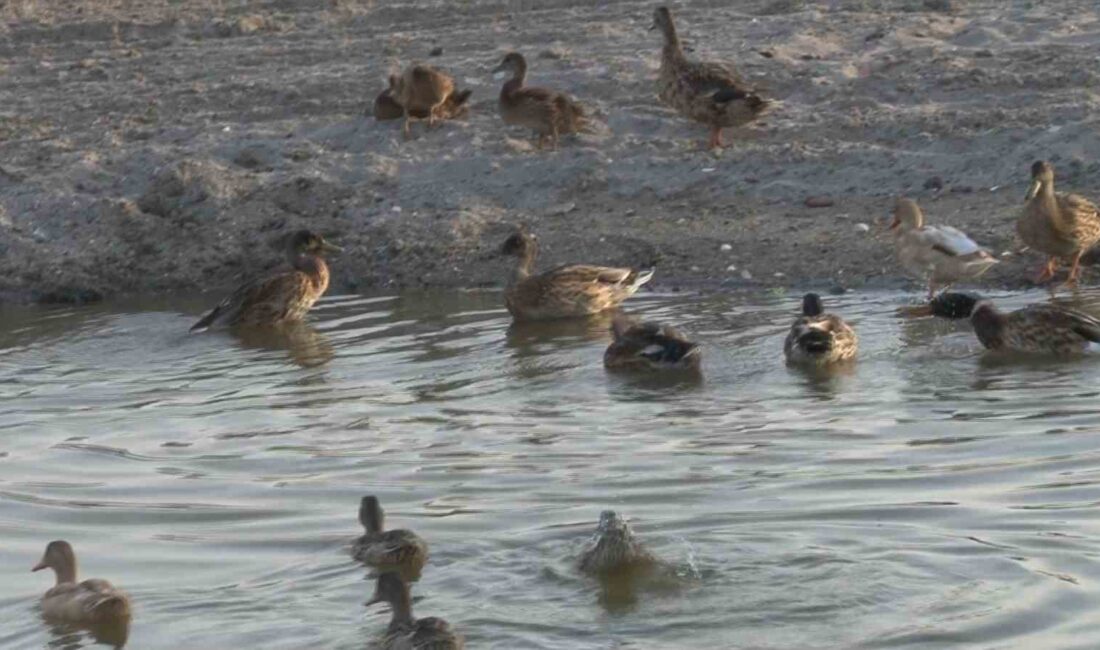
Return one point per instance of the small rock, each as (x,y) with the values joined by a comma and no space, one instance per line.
(436,51)
(725,248)
(862,227)
(745,275)
(779,274)
(1006,254)
(934,183)
(731,268)
(396,208)
(695,269)
(818,202)
(983,54)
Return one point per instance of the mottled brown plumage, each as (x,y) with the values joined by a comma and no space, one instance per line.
(278,298)
(548,113)
(707,92)
(386,106)
(615,548)
(649,346)
(1062,226)
(406,632)
(566,291)
(421,90)
(818,338)
(387,548)
(89,602)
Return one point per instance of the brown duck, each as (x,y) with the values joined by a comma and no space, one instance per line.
(422,92)
(817,338)
(1063,226)
(89,602)
(406,632)
(566,291)
(711,93)
(386,106)
(279,298)
(548,113)
(381,548)
(649,346)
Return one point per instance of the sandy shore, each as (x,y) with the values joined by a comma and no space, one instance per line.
(145,147)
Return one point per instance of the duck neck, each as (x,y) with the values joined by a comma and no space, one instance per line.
(315,267)
(1048,199)
(402,610)
(673,51)
(524,264)
(988,326)
(66,572)
(519,77)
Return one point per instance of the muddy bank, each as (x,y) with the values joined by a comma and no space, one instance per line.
(144,147)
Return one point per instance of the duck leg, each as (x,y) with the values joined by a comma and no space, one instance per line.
(715,141)
(1047,272)
(406,129)
(931,289)
(1074,271)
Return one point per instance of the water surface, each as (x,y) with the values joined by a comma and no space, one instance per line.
(927,498)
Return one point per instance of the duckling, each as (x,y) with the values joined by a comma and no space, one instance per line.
(1063,226)
(649,346)
(817,338)
(707,92)
(1035,329)
(380,547)
(421,90)
(941,254)
(282,297)
(614,548)
(89,602)
(546,112)
(406,632)
(387,108)
(566,291)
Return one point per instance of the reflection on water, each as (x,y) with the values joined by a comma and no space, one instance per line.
(928,495)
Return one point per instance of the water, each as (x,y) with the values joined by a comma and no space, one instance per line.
(928,498)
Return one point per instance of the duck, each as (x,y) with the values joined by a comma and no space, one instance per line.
(649,346)
(386,106)
(279,298)
(1036,329)
(89,602)
(942,255)
(569,291)
(708,92)
(1062,226)
(818,338)
(548,113)
(379,547)
(614,548)
(422,92)
(404,631)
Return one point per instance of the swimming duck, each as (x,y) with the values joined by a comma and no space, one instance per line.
(406,632)
(711,93)
(566,291)
(387,108)
(380,547)
(1063,226)
(422,92)
(941,254)
(818,338)
(546,112)
(614,548)
(1037,329)
(278,298)
(89,602)
(649,346)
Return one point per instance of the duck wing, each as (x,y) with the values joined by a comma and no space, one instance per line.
(949,241)
(1053,320)
(269,294)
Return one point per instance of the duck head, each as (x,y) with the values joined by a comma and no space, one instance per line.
(60,557)
(307,242)
(370,514)
(1042,173)
(513,63)
(907,215)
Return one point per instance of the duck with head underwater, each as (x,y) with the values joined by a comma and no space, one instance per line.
(281,297)
(615,548)
(649,346)
(817,338)
(1035,329)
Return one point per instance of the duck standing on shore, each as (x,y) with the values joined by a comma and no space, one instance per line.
(940,255)
(569,291)
(386,106)
(819,338)
(649,346)
(406,632)
(91,602)
(707,92)
(282,297)
(422,92)
(1063,226)
(548,113)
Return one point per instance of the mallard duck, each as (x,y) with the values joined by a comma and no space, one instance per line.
(817,338)
(421,90)
(1063,226)
(278,298)
(942,255)
(380,547)
(1036,329)
(386,106)
(89,602)
(406,632)
(711,93)
(614,548)
(546,112)
(566,291)
(649,346)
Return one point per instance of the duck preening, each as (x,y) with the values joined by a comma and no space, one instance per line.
(379,547)
(615,548)
(1062,226)
(707,92)
(566,291)
(649,346)
(89,602)
(404,631)
(1037,329)
(548,113)
(817,337)
(278,298)
(421,92)
(939,255)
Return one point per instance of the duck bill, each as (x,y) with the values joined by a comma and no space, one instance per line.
(373,601)
(653,26)
(1036,185)
(38,567)
(919,311)
(895,223)
(331,248)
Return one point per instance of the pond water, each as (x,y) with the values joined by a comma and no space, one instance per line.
(929,497)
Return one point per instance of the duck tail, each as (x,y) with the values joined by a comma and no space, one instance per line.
(111,608)
(206,321)
(641,276)
(459,97)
